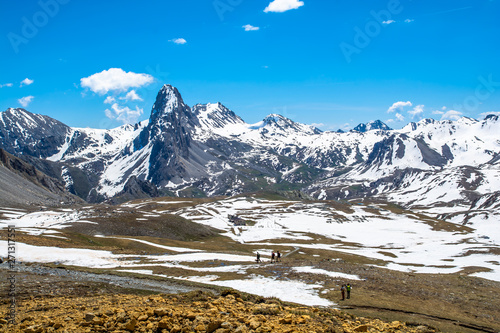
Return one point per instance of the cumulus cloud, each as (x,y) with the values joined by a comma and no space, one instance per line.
(399,117)
(398,106)
(124,114)
(132,96)
(109,100)
(6,85)
(26,82)
(451,115)
(417,110)
(249,27)
(115,79)
(409,20)
(388,22)
(179,41)
(280,6)
(25,101)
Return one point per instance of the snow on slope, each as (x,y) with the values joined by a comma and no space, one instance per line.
(471,142)
(100,142)
(413,243)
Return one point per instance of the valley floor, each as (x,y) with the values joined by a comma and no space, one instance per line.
(403,265)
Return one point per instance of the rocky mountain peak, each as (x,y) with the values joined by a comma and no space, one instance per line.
(372,125)
(168,100)
(215,115)
(492,117)
(276,123)
(26,133)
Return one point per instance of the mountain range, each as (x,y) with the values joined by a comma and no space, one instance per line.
(208,150)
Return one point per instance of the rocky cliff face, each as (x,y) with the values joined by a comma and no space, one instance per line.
(168,136)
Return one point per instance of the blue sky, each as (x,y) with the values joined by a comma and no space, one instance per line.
(331,63)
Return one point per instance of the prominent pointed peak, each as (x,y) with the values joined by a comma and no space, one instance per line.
(169,92)
(168,88)
(168,100)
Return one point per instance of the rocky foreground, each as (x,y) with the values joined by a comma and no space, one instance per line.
(191,312)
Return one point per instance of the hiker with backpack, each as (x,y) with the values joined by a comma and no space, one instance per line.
(348,289)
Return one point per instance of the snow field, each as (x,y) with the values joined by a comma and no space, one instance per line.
(403,241)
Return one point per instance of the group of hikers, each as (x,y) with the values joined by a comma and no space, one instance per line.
(346,288)
(275,257)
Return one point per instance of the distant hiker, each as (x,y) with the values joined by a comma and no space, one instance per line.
(272,257)
(278,256)
(342,291)
(258,257)
(348,289)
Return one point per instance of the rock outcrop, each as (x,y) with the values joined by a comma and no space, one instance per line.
(193,312)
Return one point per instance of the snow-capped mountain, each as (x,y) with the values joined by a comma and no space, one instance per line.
(208,150)
(372,125)
(23,132)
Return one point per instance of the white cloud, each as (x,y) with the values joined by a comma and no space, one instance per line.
(417,110)
(115,79)
(280,6)
(25,101)
(179,41)
(400,117)
(26,82)
(318,125)
(249,27)
(132,96)
(123,114)
(409,20)
(6,85)
(109,100)
(438,112)
(452,115)
(398,106)
(388,22)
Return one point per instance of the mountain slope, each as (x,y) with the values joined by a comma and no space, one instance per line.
(22,132)
(22,184)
